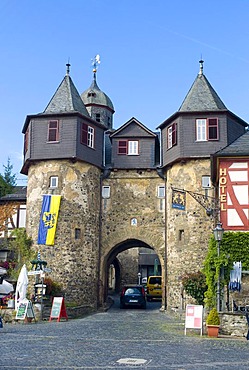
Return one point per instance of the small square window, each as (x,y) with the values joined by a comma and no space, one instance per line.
(206,182)
(106,191)
(161,191)
(53,182)
(77,233)
(181,235)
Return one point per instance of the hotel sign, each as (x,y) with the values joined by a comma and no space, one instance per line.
(234,194)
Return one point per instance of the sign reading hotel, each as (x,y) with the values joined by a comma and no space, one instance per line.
(234,194)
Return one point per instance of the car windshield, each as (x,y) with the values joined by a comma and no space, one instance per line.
(132,291)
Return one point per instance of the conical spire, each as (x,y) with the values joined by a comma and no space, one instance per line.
(202,96)
(66,98)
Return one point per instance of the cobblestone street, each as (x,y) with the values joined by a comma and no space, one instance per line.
(118,339)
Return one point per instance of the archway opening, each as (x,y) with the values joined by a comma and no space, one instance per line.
(130,262)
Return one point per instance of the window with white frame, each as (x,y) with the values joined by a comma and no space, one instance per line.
(87,135)
(161,191)
(172,135)
(106,191)
(133,147)
(207,129)
(53,182)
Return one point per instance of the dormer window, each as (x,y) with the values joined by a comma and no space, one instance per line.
(207,129)
(128,147)
(91,94)
(53,131)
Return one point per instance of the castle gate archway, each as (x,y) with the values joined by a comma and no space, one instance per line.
(110,258)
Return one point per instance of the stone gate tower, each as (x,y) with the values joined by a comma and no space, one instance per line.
(63,155)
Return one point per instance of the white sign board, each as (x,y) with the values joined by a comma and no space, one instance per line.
(194,317)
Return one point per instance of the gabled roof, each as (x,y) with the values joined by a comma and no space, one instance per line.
(132,121)
(239,147)
(66,99)
(201,96)
(19,194)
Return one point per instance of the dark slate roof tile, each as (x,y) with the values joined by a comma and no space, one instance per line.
(238,147)
(66,99)
(201,97)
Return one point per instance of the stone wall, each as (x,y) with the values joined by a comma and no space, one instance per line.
(129,266)
(133,196)
(74,262)
(233,324)
(188,231)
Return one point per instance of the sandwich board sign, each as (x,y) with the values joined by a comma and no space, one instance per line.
(58,310)
(194,317)
(25,309)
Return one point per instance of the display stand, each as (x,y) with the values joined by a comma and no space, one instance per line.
(194,317)
(58,310)
(25,310)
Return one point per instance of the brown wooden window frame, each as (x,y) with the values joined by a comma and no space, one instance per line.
(26,140)
(53,132)
(212,126)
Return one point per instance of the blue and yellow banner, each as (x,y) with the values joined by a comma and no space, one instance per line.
(48,219)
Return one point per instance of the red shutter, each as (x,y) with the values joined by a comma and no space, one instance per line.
(84,132)
(122,147)
(174,134)
(213,132)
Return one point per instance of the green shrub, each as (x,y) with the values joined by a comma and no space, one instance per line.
(213,317)
(195,285)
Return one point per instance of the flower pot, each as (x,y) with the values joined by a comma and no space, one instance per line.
(213,330)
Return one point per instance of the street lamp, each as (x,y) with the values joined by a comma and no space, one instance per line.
(218,235)
(139,278)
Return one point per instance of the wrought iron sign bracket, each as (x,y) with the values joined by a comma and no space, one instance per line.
(210,204)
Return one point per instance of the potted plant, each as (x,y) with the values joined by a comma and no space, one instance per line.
(213,323)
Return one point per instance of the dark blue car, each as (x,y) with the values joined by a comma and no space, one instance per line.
(133,295)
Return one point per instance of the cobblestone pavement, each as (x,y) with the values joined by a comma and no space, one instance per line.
(118,339)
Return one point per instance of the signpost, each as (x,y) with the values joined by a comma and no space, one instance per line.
(194,317)
(58,310)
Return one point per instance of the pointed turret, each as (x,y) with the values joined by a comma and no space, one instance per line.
(202,96)
(66,98)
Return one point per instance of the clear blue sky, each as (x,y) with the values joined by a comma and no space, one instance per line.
(149,52)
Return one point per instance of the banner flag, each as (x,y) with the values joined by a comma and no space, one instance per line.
(48,219)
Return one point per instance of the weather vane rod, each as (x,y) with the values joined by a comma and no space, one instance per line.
(95,64)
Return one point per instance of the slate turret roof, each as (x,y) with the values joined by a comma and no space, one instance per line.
(201,96)
(93,95)
(66,99)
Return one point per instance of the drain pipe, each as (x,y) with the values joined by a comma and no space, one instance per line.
(105,174)
(164,177)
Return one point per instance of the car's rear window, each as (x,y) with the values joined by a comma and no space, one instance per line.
(155,280)
(132,291)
